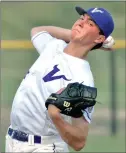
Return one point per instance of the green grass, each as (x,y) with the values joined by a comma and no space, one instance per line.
(105,144)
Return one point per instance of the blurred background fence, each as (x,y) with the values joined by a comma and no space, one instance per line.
(17,56)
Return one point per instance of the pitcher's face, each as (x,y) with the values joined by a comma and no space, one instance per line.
(85,30)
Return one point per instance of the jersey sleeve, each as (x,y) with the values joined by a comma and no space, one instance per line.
(87,113)
(40,40)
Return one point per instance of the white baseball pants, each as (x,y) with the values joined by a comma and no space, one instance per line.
(48,145)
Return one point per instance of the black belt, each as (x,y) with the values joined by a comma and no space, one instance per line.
(21,136)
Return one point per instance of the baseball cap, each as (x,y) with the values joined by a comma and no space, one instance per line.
(101,17)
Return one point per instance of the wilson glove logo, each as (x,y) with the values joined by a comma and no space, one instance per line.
(66,104)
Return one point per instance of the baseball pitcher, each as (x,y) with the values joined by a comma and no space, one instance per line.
(53,105)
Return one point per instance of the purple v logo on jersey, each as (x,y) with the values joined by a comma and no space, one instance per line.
(50,76)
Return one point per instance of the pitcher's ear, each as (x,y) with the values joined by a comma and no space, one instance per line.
(100,39)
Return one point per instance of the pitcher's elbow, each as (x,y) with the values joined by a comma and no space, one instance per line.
(79,146)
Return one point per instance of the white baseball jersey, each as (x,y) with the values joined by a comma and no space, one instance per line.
(52,71)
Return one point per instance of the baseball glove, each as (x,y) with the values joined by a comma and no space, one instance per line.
(73,99)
